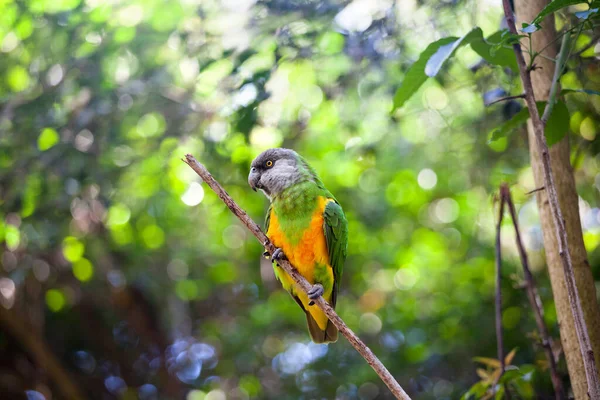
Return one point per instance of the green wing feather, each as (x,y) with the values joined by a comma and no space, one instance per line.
(336,236)
(268,219)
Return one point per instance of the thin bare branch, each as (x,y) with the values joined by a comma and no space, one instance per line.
(499,329)
(499,338)
(519,96)
(560,64)
(585,346)
(300,281)
(535,190)
(534,300)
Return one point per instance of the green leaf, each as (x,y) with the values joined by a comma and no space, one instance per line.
(558,123)
(476,391)
(510,375)
(437,53)
(47,139)
(415,76)
(587,91)
(556,127)
(553,7)
(444,52)
(507,127)
(489,50)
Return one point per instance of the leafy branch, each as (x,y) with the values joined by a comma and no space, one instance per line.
(299,280)
(557,216)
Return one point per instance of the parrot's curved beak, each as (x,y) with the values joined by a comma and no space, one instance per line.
(253,178)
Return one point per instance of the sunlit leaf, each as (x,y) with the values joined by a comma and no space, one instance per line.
(491,362)
(488,50)
(445,51)
(553,7)
(510,375)
(509,357)
(482,373)
(415,76)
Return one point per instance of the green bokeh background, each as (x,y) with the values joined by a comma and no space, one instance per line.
(142,282)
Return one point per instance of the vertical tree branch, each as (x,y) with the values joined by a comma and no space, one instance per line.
(499,338)
(499,327)
(587,353)
(536,303)
(300,281)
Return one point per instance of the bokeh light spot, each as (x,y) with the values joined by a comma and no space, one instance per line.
(446,210)
(405,278)
(153,236)
(216,394)
(72,249)
(186,289)
(196,395)
(118,214)
(427,179)
(83,269)
(47,139)
(55,300)
(588,128)
(434,97)
(193,195)
(12,237)
(370,323)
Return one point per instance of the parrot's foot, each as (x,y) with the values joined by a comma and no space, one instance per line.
(266,254)
(278,254)
(315,292)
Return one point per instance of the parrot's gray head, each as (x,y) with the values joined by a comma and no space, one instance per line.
(275,170)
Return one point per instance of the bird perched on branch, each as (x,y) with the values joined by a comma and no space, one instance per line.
(308,227)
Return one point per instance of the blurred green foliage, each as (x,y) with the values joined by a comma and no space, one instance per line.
(143,283)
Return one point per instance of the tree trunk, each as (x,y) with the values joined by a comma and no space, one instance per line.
(541,77)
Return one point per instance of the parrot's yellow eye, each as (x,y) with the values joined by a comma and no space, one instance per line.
(269,164)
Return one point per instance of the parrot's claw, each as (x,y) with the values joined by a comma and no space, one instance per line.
(315,292)
(266,255)
(278,254)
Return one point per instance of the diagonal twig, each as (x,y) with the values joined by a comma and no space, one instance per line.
(518,96)
(534,300)
(560,65)
(300,281)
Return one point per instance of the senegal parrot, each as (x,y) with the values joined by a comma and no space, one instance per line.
(308,227)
